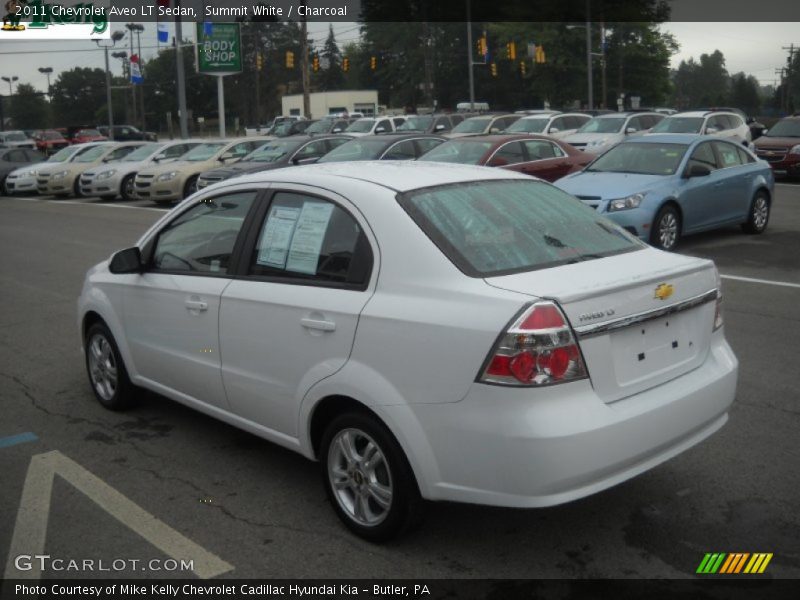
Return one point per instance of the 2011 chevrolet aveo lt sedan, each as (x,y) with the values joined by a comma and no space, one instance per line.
(424,331)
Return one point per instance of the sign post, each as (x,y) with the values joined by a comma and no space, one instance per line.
(219,53)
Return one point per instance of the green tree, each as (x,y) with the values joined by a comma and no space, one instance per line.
(702,84)
(745,93)
(77,94)
(28,108)
(330,76)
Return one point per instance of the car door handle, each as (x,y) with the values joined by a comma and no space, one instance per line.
(197,305)
(320,324)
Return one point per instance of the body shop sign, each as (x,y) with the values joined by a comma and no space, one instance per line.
(219,49)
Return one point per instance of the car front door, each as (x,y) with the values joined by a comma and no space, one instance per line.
(171,310)
(289,318)
(702,199)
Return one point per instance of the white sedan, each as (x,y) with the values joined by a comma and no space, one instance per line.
(424,331)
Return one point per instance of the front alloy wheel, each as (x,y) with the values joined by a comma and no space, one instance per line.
(107,373)
(666,229)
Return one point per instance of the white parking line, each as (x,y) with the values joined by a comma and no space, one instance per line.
(106,205)
(764,281)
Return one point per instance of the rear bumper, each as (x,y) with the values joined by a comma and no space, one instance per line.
(533,448)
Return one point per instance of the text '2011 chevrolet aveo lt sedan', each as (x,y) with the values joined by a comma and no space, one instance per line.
(424,331)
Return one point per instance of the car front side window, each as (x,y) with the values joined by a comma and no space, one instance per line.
(201,240)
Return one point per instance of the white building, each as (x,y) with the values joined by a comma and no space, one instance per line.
(329,103)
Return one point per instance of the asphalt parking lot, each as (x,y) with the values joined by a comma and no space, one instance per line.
(241,507)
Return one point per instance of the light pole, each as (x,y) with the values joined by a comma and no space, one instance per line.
(469,60)
(10,81)
(47,71)
(138,28)
(115,37)
(126,66)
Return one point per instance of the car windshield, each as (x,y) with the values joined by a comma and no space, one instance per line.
(416,124)
(679,125)
(270,152)
(17,136)
(142,152)
(91,154)
(472,125)
(62,154)
(528,126)
(787,128)
(465,153)
(356,150)
(603,125)
(640,158)
(202,152)
(321,126)
(362,126)
(490,228)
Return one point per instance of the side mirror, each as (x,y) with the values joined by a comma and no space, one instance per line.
(631,130)
(305,160)
(227,156)
(698,171)
(554,130)
(439,127)
(336,130)
(711,130)
(498,161)
(159,157)
(764,131)
(379,130)
(126,261)
(494,130)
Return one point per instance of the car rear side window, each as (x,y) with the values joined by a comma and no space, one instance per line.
(309,239)
(201,240)
(728,155)
(491,228)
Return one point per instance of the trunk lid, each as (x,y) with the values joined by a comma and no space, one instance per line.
(641,318)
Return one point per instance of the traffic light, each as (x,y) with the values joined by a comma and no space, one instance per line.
(511,51)
(373,63)
(315,62)
(259,61)
(345,64)
(493,68)
(522,68)
(289,59)
(483,47)
(540,56)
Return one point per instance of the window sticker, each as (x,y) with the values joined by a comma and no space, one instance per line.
(308,237)
(277,235)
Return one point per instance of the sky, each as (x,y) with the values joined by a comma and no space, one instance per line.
(755,48)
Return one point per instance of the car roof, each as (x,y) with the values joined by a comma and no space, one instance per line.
(400,175)
(500,138)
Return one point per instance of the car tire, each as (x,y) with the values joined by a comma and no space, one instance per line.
(3,191)
(190,187)
(368,479)
(76,187)
(126,188)
(758,217)
(666,229)
(107,373)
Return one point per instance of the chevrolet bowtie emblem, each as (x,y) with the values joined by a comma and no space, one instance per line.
(664,291)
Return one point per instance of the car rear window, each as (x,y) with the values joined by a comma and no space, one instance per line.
(490,228)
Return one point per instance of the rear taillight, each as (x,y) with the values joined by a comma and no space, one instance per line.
(718,308)
(538,349)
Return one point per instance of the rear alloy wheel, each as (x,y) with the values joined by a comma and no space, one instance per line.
(110,382)
(666,230)
(190,187)
(367,478)
(126,188)
(759,214)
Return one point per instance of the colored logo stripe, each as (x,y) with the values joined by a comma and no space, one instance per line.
(733,563)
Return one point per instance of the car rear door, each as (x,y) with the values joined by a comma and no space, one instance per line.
(702,199)
(289,318)
(171,310)
(546,160)
(737,185)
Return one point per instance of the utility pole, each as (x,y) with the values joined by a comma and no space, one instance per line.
(130,27)
(181,76)
(589,75)
(304,67)
(469,60)
(139,29)
(790,75)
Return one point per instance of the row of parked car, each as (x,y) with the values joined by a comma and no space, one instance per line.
(660,187)
(50,141)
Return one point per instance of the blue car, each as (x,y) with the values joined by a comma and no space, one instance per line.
(664,186)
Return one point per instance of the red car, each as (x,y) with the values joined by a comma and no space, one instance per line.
(780,147)
(88,135)
(49,141)
(536,155)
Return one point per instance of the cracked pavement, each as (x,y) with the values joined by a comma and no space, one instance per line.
(263,509)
